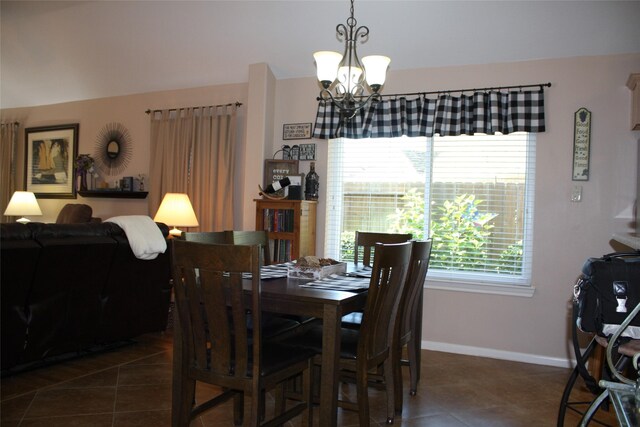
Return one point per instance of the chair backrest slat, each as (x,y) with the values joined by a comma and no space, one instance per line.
(258,237)
(368,240)
(389,272)
(212,307)
(218,237)
(410,308)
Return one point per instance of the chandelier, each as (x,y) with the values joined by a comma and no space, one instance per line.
(346,74)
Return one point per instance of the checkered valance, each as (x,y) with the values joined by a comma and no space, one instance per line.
(481,112)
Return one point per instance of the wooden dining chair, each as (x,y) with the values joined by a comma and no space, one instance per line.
(258,237)
(409,324)
(366,242)
(205,237)
(214,347)
(367,351)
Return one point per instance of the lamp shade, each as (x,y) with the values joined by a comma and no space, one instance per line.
(327,65)
(375,67)
(176,210)
(23,203)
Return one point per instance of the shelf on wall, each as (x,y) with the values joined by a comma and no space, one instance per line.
(115,194)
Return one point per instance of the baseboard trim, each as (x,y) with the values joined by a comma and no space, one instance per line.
(498,354)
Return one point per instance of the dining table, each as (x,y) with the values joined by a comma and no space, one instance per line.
(300,297)
(328,299)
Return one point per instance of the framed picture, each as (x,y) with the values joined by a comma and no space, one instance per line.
(307,152)
(581,144)
(275,170)
(296,131)
(49,161)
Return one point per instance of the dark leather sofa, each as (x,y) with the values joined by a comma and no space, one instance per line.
(67,288)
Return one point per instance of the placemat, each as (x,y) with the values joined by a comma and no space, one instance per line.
(337,282)
(364,271)
(275,271)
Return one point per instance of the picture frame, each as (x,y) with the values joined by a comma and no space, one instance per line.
(581,144)
(307,152)
(50,153)
(275,170)
(296,131)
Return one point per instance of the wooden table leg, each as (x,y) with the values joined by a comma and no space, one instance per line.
(330,364)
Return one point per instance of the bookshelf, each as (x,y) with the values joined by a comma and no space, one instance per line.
(291,226)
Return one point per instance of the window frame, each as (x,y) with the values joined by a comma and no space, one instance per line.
(453,280)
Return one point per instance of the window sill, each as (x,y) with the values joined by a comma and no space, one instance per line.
(481,288)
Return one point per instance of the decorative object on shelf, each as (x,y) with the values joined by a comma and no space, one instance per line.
(307,152)
(126,183)
(296,131)
(275,170)
(22,204)
(581,144)
(84,165)
(49,155)
(140,183)
(176,211)
(286,152)
(114,194)
(346,74)
(312,183)
(294,153)
(113,149)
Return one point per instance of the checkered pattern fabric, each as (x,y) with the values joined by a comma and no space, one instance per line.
(275,271)
(337,282)
(481,112)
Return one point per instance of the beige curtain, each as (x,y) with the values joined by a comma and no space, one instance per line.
(8,143)
(193,152)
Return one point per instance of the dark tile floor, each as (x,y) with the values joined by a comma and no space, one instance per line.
(131,386)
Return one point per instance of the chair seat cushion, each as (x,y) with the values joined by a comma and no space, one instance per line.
(277,356)
(312,340)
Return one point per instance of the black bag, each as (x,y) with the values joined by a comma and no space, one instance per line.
(607,291)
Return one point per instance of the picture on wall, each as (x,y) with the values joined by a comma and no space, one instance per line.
(49,161)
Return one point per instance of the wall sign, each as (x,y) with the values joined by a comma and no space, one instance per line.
(581,144)
(296,131)
(275,170)
(307,152)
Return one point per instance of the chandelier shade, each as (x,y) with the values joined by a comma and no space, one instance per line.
(327,63)
(348,76)
(376,69)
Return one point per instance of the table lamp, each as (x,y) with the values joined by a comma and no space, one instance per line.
(23,203)
(176,210)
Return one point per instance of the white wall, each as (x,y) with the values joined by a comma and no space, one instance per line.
(526,328)
(531,329)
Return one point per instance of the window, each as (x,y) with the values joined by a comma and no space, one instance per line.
(472,194)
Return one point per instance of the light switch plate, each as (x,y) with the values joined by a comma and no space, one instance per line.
(576,193)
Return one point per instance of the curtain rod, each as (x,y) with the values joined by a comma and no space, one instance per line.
(482,89)
(237,104)
(10,123)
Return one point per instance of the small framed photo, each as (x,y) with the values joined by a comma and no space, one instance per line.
(307,152)
(49,161)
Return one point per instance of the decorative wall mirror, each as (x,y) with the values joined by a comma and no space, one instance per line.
(113,149)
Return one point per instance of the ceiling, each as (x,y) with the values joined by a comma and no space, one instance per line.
(53,52)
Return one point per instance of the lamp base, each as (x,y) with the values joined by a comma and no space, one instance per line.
(23,220)
(174,232)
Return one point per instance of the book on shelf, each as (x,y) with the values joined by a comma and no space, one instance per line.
(280,250)
(278,220)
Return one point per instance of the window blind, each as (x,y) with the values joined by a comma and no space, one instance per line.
(472,194)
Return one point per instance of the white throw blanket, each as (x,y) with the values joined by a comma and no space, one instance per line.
(145,238)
